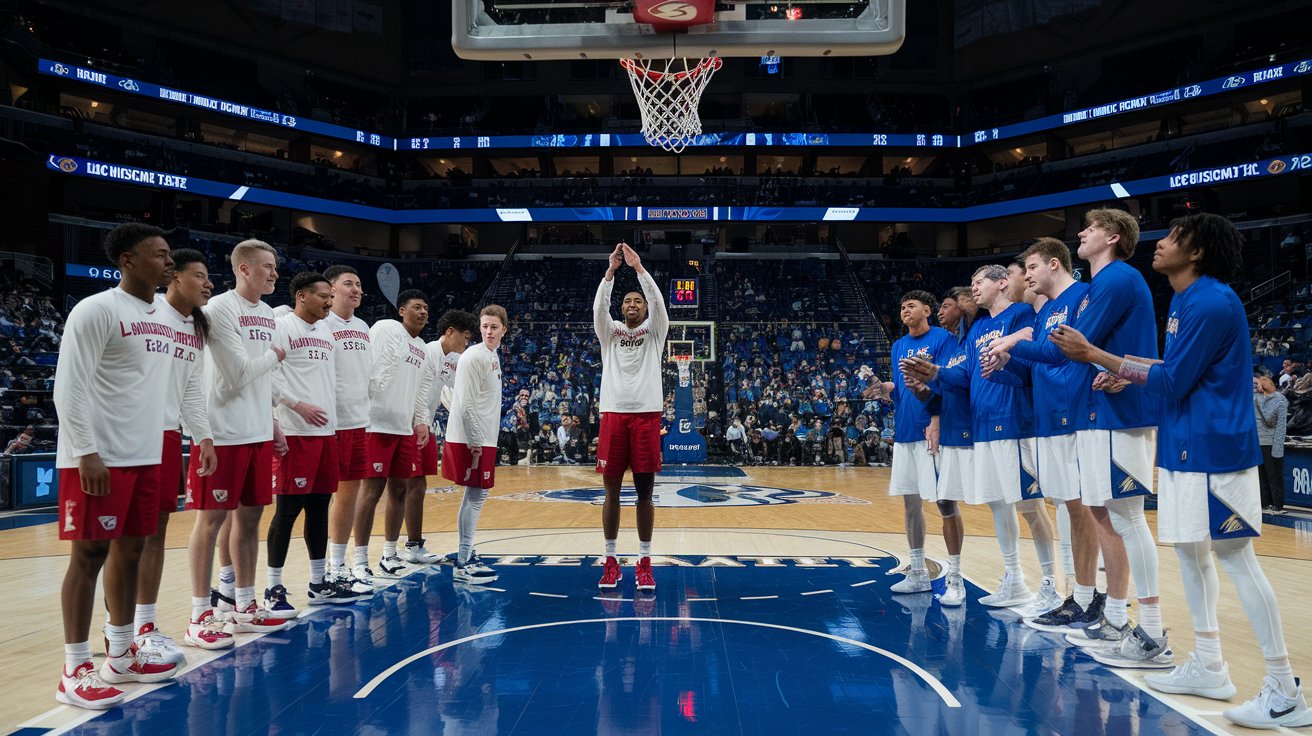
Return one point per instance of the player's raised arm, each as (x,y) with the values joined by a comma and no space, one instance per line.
(658,317)
(601,319)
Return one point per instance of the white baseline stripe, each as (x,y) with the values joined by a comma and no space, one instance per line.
(701,600)
(758,597)
(863,582)
(550,595)
(241,192)
(929,679)
(817,592)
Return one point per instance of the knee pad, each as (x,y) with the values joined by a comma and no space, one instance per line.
(947,509)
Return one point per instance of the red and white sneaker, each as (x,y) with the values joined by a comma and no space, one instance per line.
(256,620)
(136,665)
(208,632)
(610,574)
(642,575)
(85,689)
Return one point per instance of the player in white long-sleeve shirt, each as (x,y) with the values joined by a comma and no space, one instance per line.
(454,328)
(116,353)
(305,477)
(631,403)
(351,361)
(189,290)
(398,428)
(239,360)
(470,455)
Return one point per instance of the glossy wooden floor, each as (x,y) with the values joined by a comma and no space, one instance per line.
(32,563)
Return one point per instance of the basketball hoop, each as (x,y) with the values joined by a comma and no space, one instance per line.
(684,365)
(668,92)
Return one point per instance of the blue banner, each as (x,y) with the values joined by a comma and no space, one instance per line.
(100,273)
(1298,477)
(1296,164)
(683,443)
(191,99)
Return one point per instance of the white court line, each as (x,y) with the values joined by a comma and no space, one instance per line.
(863,582)
(817,592)
(599,598)
(929,679)
(700,600)
(549,595)
(757,597)
(489,587)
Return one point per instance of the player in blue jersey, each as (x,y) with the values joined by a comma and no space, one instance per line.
(956,468)
(1062,399)
(1209,500)
(1001,427)
(1116,452)
(915,442)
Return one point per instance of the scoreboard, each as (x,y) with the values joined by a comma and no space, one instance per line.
(684,292)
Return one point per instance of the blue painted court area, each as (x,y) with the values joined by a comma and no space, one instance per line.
(725,646)
(690,473)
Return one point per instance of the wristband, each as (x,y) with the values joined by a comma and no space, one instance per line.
(1135,370)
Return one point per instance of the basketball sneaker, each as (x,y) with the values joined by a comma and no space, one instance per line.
(1099,634)
(1271,708)
(473,573)
(275,600)
(1011,592)
(329,591)
(1057,620)
(415,553)
(85,689)
(610,574)
(1047,599)
(954,593)
(1137,651)
(363,574)
(345,579)
(642,575)
(136,665)
(391,567)
(153,640)
(916,581)
(208,632)
(1192,678)
(222,603)
(256,620)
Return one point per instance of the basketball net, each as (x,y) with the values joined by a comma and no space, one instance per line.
(669,90)
(684,364)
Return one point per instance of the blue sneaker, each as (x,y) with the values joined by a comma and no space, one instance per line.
(275,602)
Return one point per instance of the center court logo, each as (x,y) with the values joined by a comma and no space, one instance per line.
(693,495)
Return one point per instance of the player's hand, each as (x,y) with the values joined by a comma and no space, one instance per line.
(312,414)
(993,363)
(1107,382)
(932,435)
(475,455)
(616,260)
(209,459)
(95,476)
(279,440)
(919,368)
(631,257)
(1072,343)
(282,354)
(421,435)
(886,391)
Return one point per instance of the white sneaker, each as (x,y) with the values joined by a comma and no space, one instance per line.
(473,573)
(1048,599)
(1137,651)
(916,581)
(1012,591)
(955,594)
(1272,709)
(345,578)
(161,645)
(363,574)
(391,567)
(1192,678)
(415,554)
(209,632)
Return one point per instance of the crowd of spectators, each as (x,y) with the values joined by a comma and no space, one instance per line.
(31,328)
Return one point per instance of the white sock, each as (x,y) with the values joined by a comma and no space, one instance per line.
(1083,595)
(610,547)
(361,555)
(317,568)
(917,559)
(1115,612)
(227,581)
(1007,527)
(644,549)
(471,507)
(76,654)
(1208,649)
(275,576)
(245,597)
(337,552)
(1284,674)
(120,638)
(954,564)
(145,614)
(389,548)
(1150,618)
(199,605)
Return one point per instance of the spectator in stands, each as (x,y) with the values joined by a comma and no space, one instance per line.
(22,443)
(736,437)
(1286,374)
(1272,411)
(545,445)
(507,441)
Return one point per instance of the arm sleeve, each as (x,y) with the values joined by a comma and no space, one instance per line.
(957,377)
(421,415)
(282,393)
(1192,352)
(382,352)
(601,309)
(85,336)
(658,317)
(469,375)
(229,354)
(195,409)
(1038,352)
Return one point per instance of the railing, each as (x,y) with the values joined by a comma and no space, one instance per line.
(1268,286)
(38,268)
